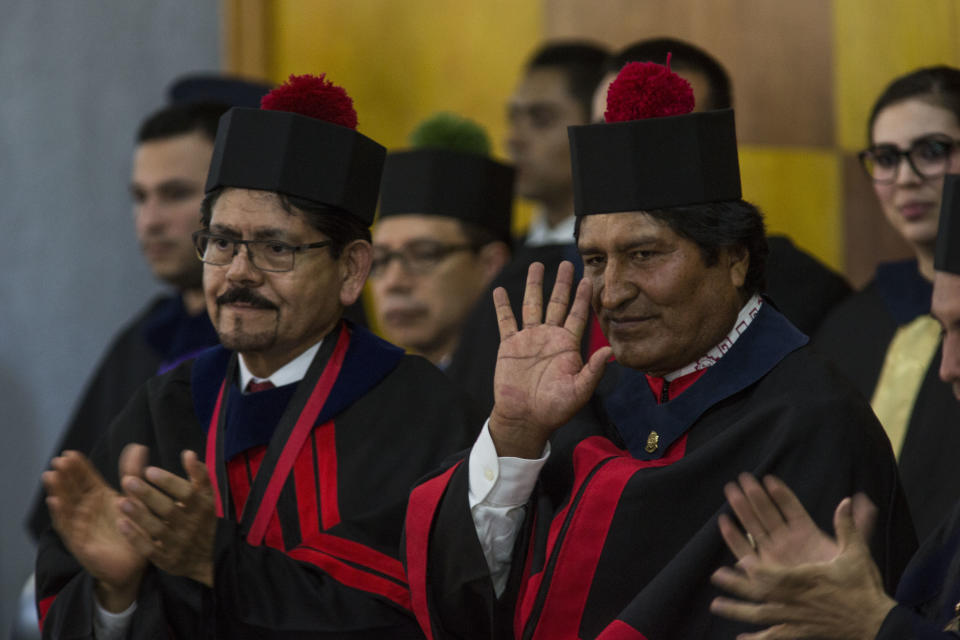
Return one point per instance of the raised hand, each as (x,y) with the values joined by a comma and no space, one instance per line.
(85,511)
(172,520)
(780,530)
(540,380)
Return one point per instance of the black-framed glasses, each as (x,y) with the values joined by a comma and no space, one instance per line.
(417,257)
(266,255)
(928,157)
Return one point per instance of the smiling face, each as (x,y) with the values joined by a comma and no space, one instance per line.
(912,203)
(167,189)
(273,317)
(659,305)
(426,311)
(945,307)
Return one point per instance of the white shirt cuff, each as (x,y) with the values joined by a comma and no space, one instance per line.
(501,482)
(111,626)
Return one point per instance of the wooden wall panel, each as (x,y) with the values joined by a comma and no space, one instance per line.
(778,54)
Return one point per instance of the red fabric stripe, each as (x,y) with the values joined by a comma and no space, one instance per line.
(677,386)
(273,536)
(295,443)
(354,577)
(421,509)
(595,338)
(305,481)
(327,467)
(239,482)
(211,455)
(357,553)
(583,542)
(43,607)
(620,630)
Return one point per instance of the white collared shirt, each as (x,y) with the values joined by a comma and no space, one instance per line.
(541,234)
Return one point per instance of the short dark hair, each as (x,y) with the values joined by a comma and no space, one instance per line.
(479,236)
(719,225)
(338,225)
(683,55)
(939,85)
(580,61)
(181,119)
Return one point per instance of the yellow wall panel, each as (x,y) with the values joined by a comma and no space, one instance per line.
(798,189)
(877,40)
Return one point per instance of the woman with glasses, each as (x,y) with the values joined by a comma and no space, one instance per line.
(883,337)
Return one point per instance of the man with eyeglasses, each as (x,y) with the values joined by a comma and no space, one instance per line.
(259,490)
(442,235)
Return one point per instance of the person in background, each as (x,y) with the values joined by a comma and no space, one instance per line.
(883,338)
(170,163)
(802,288)
(553,93)
(443,234)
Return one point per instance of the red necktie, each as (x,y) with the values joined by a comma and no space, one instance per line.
(254,386)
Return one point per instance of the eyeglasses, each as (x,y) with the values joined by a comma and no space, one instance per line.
(929,157)
(265,255)
(417,257)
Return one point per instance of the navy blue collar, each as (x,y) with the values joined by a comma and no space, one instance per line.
(905,293)
(175,334)
(635,412)
(368,361)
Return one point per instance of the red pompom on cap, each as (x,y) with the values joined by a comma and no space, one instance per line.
(647,90)
(315,97)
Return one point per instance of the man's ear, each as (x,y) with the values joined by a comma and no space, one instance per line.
(354,263)
(738,261)
(493,256)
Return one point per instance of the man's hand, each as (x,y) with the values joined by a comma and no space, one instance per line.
(85,512)
(816,589)
(171,520)
(780,528)
(540,380)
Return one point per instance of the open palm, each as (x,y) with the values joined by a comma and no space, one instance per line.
(540,380)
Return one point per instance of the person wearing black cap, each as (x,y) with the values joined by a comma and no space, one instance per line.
(170,164)
(308,426)
(587,506)
(829,589)
(442,235)
(803,289)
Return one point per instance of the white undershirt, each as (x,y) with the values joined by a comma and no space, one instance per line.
(500,486)
(113,626)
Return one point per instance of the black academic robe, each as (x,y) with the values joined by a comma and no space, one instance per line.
(312,511)
(620,542)
(159,338)
(930,588)
(803,288)
(475,358)
(855,337)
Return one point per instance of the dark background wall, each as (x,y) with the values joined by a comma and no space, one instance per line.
(76,77)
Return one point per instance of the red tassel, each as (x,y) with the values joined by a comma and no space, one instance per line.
(315,97)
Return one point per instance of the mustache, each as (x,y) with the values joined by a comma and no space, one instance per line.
(246,296)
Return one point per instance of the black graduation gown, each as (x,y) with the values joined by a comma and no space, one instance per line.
(619,542)
(930,588)
(855,337)
(328,564)
(475,358)
(159,338)
(804,289)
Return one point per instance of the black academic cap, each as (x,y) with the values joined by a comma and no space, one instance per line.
(947,257)
(639,165)
(454,184)
(298,156)
(211,87)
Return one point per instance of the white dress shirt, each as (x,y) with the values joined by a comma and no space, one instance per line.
(541,234)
